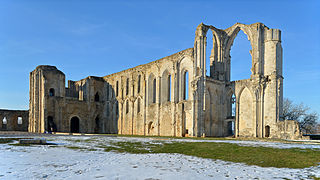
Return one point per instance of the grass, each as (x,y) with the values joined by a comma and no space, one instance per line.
(260,156)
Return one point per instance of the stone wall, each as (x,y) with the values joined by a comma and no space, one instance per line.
(14,120)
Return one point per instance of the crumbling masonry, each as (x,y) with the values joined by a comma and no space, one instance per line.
(172,96)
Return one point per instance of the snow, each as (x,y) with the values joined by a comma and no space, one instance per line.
(48,162)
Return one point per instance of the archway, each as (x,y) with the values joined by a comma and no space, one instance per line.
(51,125)
(240,58)
(74,125)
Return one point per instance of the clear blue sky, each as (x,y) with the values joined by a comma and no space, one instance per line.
(96,37)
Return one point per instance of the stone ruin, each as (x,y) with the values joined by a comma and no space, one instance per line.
(173,96)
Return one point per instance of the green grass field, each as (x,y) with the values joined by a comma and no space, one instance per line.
(260,156)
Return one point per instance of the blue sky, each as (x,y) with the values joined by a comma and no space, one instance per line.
(96,37)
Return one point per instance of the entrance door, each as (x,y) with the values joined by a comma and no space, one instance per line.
(74,126)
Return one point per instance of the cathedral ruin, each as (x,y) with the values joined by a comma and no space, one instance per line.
(172,96)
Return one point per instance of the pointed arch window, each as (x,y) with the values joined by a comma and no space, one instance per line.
(139,83)
(169,88)
(154,90)
(117,88)
(127,88)
(186,85)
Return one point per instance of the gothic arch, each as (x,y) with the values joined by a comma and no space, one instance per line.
(246,123)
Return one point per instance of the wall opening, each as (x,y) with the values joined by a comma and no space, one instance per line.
(117,88)
(51,92)
(267,131)
(19,120)
(169,88)
(127,86)
(154,90)
(75,125)
(139,83)
(209,47)
(51,125)
(97,97)
(133,90)
(230,128)
(233,105)
(4,123)
(186,85)
(241,60)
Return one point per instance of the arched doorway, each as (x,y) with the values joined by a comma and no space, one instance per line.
(51,125)
(74,125)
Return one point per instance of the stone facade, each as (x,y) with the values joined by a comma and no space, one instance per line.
(14,120)
(171,96)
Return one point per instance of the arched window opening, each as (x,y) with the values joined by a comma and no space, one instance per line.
(51,125)
(127,107)
(4,120)
(96,97)
(19,120)
(169,88)
(233,105)
(241,60)
(139,83)
(186,85)
(138,105)
(4,123)
(132,90)
(127,87)
(117,88)
(267,131)
(74,125)
(154,90)
(51,92)
(97,126)
(209,51)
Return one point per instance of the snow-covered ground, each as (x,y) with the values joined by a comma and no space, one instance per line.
(48,162)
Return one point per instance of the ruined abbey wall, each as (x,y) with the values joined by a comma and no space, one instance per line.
(14,120)
(171,96)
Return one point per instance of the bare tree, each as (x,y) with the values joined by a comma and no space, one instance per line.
(300,112)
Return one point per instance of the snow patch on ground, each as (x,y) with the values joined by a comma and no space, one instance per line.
(48,162)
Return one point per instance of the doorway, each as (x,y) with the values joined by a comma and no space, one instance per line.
(74,127)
